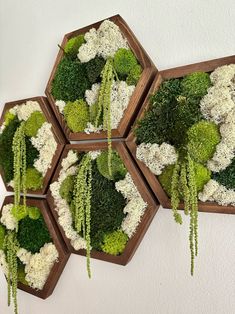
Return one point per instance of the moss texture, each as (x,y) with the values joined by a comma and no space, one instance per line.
(2,236)
(19,212)
(226,177)
(134,75)
(70,81)
(124,61)
(73,44)
(94,68)
(33,234)
(195,85)
(77,115)
(34,123)
(114,243)
(34,179)
(118,169)
(67,187)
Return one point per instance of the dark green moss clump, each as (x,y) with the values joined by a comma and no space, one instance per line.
(195,85)
(226,177)
(31,153)
(6,154)
(94,68)
(33,234)
(70,81)
(67,187)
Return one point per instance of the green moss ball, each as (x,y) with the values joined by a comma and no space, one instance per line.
(165,178)
(34,122)
(34,212)
(34,179)
(73,44)
(8,117)
(76,115)
(195,84)
(118,169)
(2,236)
(66,188)
(134,75)
(124,61)
(114,243)
(70,81)
(94,68)
(19,212)
(202,140)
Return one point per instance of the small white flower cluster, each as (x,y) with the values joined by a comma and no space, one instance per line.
(65,217)
(156,157)
(24,111)
(104,41)
(60,104)
(219,106)
(215,192)
(46,144)
(135,207)
(38,265)
(3,262)
(120,97)
(7,219)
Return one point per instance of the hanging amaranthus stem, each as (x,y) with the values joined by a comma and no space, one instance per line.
(11,247)
(82,202)
(185,188)
(19,152)
(104,103)
(175,196)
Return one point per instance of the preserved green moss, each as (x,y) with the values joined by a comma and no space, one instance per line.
(73,44)
(76,115)
(33,234)
(2,236)
(114,243)
(70,81)
(34,179)
(6,153)
(202,140)
(34,212)
(94,68)
(118,169)
(195,85)
(94,110)
(19,212)
(31,153)
(8,117)
(226,177)
(21,273)
(67,187)
(34,123)
(134,75)
(124,61)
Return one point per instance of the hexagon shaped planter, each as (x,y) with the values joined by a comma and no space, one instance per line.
(146,195)
(58,137)
(57,240)
(137,97)
(154,183)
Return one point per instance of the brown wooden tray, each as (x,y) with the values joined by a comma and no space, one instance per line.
(137,98)
(59,137)
(155,185)
(58,241)
(145,192)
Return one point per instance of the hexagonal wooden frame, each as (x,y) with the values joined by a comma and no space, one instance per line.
(145,192)
(155,185)
(58,241)
(59,137)
(139,93)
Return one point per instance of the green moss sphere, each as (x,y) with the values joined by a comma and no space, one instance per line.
(195,84)
(19,212)
(2,236)
(202,140)
(76,115)
(67,187)
(134,75)
(114,243)
(118,169)
(34,179)
(94,68)
(8,117)
(34,212)
(124,61)
(33,124)
(73,44)
(70,81)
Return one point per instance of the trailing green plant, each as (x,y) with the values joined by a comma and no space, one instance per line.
(76,115)
(104,103)
(33,234)
(70,81)
(114,243)
(82,203)
(94,68)
(19,212)
(2,236)
(124,61)
(226,177)
(202,140)
(34,123)
(73,44)
(11,247)
(118,169)
(33,179)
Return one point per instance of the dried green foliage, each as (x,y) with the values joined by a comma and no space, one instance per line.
(94,68)
(73,44)
(34,123)
(114,243)
(34,179)
(124,61)
(77,115)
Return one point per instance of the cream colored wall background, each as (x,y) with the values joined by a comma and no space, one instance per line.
(157,281)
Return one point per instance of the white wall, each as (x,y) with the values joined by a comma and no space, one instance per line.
(157,280)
